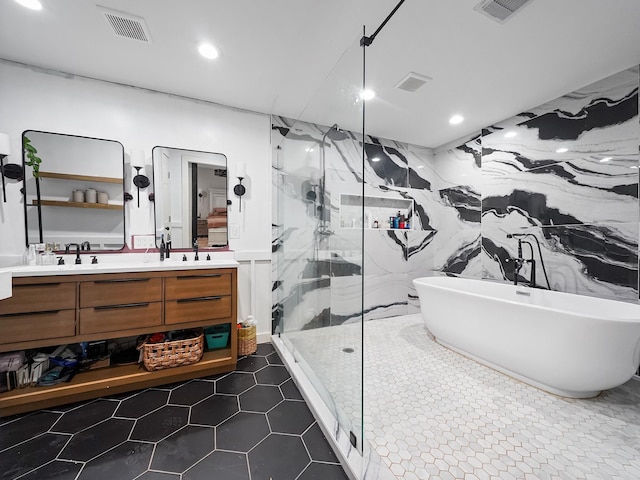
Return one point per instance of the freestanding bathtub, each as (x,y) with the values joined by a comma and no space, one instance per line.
(569,345)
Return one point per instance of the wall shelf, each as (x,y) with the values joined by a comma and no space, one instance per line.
(58,203)
(82,178)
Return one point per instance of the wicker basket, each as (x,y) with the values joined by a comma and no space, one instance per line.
(157,356)
(247,341)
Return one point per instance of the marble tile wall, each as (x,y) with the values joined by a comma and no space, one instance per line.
(567,173)
(581,205)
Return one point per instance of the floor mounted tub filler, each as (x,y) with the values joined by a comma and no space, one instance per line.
(569,345)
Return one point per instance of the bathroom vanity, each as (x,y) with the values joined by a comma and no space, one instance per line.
(100,302)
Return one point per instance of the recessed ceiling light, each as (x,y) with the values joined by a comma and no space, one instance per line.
(375,159)
(420,166)
(510,134)
(367,94)
(562,150)
(208,51)
(32,4)
(308,149)
(456,119)
(605,159)
(633,167)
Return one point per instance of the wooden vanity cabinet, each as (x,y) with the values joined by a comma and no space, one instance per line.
(198,297)
(40,312)
(122,302)
(47,311)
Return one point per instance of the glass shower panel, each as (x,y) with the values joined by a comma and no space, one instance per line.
(317,163)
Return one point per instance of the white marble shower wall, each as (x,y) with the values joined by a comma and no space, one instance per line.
(443,236)
(581,204)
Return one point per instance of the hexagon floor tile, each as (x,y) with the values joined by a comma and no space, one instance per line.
(432,413)
(174,432)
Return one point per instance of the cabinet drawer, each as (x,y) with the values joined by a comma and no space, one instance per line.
(39,298)
(119,291)
(41,325)
(196,309)
(120,317)
(197,285)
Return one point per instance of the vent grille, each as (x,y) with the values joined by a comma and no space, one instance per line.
(127,26)
(500,10)
(412,82)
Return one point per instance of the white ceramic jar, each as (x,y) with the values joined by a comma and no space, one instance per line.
(90,195)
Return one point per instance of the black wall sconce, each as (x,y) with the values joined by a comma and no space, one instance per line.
(12,171)
(240,189)
(139,180)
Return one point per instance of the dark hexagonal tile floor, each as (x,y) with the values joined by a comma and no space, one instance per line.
(291,416)
(161,423)
(191,392)
(214,410)
(141,404)
(266,459)
(248,424)
(260,398)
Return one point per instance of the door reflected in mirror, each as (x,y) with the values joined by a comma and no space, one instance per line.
(190,197)
(78,195)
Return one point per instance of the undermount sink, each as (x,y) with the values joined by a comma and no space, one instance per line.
(5,284)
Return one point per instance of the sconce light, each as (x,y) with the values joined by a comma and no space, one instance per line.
(240,189)
(12,171)
(140,181)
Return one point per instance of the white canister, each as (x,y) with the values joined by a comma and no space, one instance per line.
(90,195)
(103,197)
(78,196)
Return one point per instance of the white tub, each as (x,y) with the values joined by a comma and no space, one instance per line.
(570,345)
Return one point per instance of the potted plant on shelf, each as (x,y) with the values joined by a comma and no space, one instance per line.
(34,161)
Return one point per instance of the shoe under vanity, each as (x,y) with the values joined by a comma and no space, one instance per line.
(58,305)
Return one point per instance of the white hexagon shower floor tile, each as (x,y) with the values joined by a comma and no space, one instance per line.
(431,413)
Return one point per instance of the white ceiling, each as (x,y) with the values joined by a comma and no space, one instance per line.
(300,58)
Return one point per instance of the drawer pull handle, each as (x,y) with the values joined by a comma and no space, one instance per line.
(199,299)
(126,305)
(208,275)
(123,280)
(24,314)
(37,285)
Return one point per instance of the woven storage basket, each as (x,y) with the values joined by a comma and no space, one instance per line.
(247,341)
(157,356)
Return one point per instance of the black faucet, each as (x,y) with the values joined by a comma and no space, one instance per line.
(85,246)
(520,261)
(195,249)
(66,250)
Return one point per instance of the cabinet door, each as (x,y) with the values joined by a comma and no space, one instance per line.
(120,290)
(112,318)
(197,285)
(197,309)
(40,325)
(40,297)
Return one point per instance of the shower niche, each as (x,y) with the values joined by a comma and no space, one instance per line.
(382,213)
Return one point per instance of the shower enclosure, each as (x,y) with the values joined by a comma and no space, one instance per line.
(318,282)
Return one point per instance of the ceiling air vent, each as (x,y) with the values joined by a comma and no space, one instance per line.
(412,82)
(500,10)
(127,26)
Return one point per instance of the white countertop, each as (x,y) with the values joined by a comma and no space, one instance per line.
(5,284)
(110,267)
